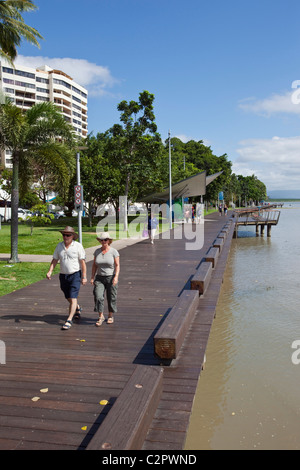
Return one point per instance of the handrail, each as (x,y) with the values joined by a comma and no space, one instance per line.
(260,216)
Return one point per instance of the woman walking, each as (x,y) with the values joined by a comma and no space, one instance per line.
(152,226)
(105,278)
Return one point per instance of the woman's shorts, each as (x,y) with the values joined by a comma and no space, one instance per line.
(70,284)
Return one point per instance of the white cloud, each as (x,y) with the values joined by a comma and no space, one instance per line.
(275,104)
(96,78)
(185,138)
(274,161)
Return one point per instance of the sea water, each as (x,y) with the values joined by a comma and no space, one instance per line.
(248,396)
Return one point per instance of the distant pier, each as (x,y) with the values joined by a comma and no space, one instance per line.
(260,217)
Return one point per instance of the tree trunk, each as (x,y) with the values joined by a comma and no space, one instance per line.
(14,228)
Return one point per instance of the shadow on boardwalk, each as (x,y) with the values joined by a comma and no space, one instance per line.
(82,371)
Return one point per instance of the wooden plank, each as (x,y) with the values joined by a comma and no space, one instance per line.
(201,279)
(212,256)
(127,423)
(170,336)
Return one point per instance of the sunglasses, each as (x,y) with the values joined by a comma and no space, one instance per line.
(104,239)
(67,235)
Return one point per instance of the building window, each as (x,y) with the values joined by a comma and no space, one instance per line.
(7,80)
(23,84)
(42,90)
(61,82)
(8,70)
(76,99)
(42,80)
(24,74)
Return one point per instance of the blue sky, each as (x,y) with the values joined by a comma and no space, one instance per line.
(221,72)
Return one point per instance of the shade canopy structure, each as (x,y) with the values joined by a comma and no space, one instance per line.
(189,187)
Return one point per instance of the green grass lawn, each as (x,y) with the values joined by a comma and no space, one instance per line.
(43,240)
(16,276)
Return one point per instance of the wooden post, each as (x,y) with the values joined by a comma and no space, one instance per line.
(257,230)
(262,229)
(269,226)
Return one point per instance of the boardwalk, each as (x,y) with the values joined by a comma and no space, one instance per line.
(76,376)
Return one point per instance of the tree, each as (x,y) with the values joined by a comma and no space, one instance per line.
(132,140)
(32,136)
(252,189)
(191,158)
(100,177)
(13,29)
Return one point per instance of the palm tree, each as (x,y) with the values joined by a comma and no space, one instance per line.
(33,136)
(13,29)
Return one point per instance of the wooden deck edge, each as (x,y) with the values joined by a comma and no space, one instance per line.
(127,423)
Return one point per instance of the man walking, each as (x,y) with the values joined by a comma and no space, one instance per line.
(71,256)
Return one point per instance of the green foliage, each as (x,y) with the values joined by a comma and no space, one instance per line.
(31,137)
(41,215)
(132,143)
(13,29)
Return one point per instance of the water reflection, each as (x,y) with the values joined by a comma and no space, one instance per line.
(247,396)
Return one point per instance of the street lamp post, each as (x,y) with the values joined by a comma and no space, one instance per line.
(80,208)
(79,185)
(170,182)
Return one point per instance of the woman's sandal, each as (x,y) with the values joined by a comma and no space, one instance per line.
(67,325)
(100,321)
(110,320)
(77,315)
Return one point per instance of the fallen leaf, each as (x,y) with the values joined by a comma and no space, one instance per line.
(104,402)
(44,390)
(35,399)
(84,428)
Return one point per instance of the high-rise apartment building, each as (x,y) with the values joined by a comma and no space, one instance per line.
(27,86)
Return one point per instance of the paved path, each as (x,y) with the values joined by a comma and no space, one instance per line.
(70,373)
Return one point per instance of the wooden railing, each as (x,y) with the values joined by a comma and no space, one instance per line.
(263,216)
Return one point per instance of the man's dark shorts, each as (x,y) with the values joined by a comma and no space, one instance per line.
(70,284)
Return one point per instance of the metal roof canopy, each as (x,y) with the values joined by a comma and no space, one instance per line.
(189,187)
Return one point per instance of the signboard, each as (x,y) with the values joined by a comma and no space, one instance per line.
(221,196)
(78,197)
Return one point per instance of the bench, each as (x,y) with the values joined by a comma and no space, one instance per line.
(223,235)
(170,336)
(201,279)
(212,256)
(127,423)
(218,243)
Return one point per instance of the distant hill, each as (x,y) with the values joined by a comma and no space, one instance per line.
(284,194)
